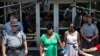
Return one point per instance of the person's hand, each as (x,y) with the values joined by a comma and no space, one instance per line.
(89,40)
(84,50)
(5,55)
(63,50)
(26,52)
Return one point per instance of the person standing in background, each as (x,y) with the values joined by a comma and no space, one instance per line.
(89,33)
(8,24)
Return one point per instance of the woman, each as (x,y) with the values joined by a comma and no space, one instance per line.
(71,38)
(49,42)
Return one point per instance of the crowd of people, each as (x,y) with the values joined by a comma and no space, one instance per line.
(77,40)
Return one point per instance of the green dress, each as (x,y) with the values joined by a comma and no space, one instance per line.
(50,44)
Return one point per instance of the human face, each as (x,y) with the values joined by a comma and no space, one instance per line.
(89,20)
(14,28)
(12,17)
(71,27)
(50,31)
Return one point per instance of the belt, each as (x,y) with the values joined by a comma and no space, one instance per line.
(89,37)
(71,43)
(15,48)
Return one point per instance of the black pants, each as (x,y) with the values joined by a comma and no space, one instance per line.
(85,44)
(15,53)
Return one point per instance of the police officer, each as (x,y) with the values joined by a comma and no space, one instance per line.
(14,41)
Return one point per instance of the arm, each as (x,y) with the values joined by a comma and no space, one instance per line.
(96,33)
(90,50)
(25,46)
(41,48)
(4,42)
(3,50)
(64,43)
(94,37)
(60,43)
(84,54)
(24,42)
(84,36)
(82,33)
(78,39)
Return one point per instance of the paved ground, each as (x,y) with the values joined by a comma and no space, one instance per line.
(36,53)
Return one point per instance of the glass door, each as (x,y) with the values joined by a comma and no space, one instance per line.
(65,17)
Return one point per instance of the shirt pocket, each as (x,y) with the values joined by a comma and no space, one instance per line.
(10,38)
(19,36)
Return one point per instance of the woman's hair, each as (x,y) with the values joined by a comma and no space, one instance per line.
(49,26)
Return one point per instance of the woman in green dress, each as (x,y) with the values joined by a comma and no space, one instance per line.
(49,41)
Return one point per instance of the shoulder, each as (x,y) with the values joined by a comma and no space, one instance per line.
(66,32)
(76,32)
(57,36)
(43,36)
(84,24)
(56,33)
(93,25)
(4,32)
(9,33)
(21,31)
(7,23)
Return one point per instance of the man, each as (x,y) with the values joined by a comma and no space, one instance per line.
(97,47)
(89,32)
(14,41)
(7,25)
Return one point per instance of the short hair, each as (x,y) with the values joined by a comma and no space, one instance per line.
(84,14)
(88,16)
(49,26)
(12,14)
